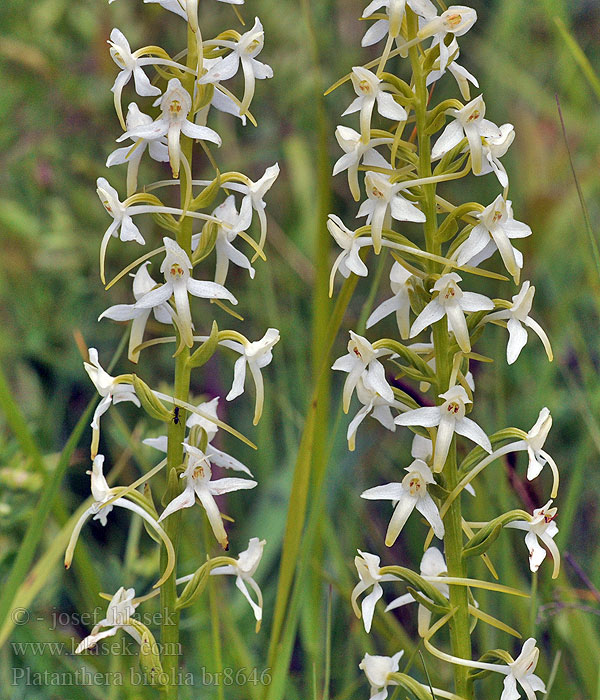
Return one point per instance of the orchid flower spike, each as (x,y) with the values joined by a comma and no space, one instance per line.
(541,526)
(109,389)
(383,204)
(400,282)
(355,152)
(451,302)
(132,155)
(497,227)
(395,10)
(362,360)
(255,356)
(371,93)
(178,284)
(378,670)
(369,574)
(449,418)
(199,484)
(244,52)
(244,571)
(118,615)
(142,284)
(175,105)
(517,317)
(432,564)
(409,494)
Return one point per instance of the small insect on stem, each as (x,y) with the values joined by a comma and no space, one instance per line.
(176,415)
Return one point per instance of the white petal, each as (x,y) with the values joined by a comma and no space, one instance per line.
(427,417)
(469,429)
(429,510)
(517,339)
(432,313)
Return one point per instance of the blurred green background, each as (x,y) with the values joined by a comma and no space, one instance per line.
(57,127)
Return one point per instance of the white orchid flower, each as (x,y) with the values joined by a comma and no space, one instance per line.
(362,361)
(373,403)
(468,122)
(453,303)
(244,52)
(118,615)
(178,283)
(520,671)
(349,259)
(395,10)
(355,152)
(542,526)
(175,105)
(233,224)
(221,99)
(538,457)
(122,213)
(399,304)
(244,571)
(254,193)
(517,316)
(498,226)
(367,566)
(122,225)
(409,494)
(385,203)
(456,20)
(371,93)
(449,418)
(215,456)
(461,74)
(142,284)
(130,64)
(198,476)
(378,670)
(432,564)
(254,355)
(101,493)
(110,390)
(132,155)
(496,141)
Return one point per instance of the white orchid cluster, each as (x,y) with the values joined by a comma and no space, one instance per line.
(401,168)
(183,96)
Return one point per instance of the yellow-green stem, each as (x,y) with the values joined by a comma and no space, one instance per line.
(460,637)
(176,435)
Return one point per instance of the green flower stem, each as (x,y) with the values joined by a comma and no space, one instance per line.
(460,637)
(176,435)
